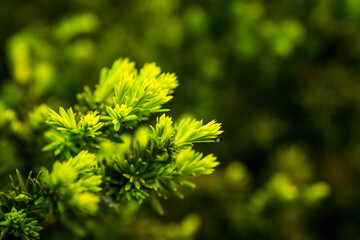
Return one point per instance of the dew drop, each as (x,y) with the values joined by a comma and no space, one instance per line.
(217,140)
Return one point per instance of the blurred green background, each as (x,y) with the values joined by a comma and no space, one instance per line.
(282,76)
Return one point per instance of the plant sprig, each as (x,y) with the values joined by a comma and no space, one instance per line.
(152,163)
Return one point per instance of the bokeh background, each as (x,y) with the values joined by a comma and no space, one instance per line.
(282,76)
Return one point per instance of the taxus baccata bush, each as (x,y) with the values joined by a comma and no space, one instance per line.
(105,157)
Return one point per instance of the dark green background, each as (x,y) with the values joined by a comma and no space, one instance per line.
(282,76)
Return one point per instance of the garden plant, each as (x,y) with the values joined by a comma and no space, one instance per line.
(107,154)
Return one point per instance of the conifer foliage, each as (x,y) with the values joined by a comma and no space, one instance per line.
(106,157)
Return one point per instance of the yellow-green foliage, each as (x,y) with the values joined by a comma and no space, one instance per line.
(75,183)
(97,157)
(16,223)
